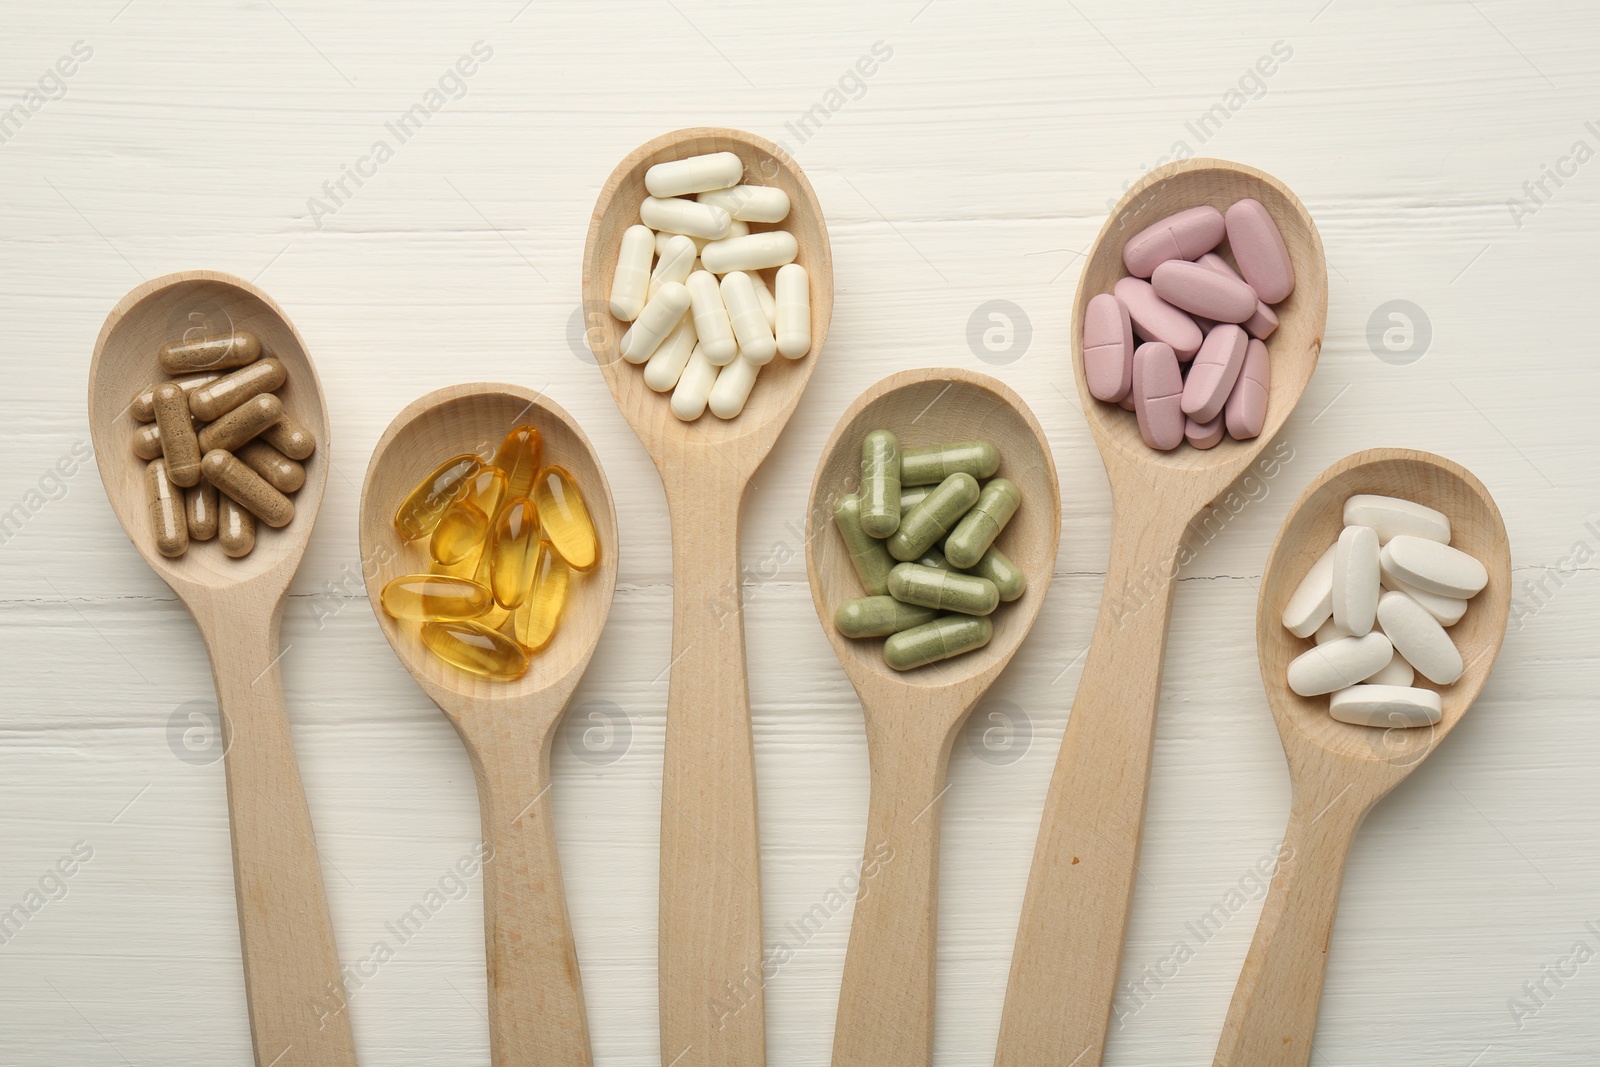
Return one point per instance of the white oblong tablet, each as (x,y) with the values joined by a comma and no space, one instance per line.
(1338,664)
(1355,579)
(694,386)
(1392,516)
(1330,631)
(1312,602)
(677,215)
(666,363)
(1432,567)
(1418,637)
(1396,672)
(732,387)
(694,174)
(1385,706)
(630,284)
(1448,610)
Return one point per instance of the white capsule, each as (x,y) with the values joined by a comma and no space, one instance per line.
(756,251)
(630,285)
(1312,602)
(677,215)
(1338,664)
(657,320)
(734,383)
(1396,672)
(664,238)
(695,174)
(667,361)
(675,263)
(711,319)
(1431,567)
(1392,516)
(749,324)
(769,303)
(1448,610)
(750,203)
(1385,706)
(1418,637)
(1355,579)
(694,386)
(794,311)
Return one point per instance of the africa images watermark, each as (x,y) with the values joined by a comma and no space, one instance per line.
(850,86)
(51,487)
(50,887)
(1552,177)
(51,85)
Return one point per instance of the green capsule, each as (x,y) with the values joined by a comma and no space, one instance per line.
(946,636)
(932,464)
(912,583)
(1006,576)
(935,559)
(867,553)
(879,616)
(979,527)
(911,497)
(936,516)
(880,483)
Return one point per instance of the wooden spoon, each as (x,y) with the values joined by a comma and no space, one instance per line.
(292,981)
(1338,771)
(1074,914)
(886,1001)
(536,1012)
(710,921)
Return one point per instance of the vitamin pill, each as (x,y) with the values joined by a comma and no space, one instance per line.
(663,239)
(167,516)
(487,488)
(428,597)
(867,554)
(1448,610)
(200,511)
(1214,372)
(732,387)
(281,472)
(1246,409)
(694,174)
(236,529)
(512,550)
(658,319)
(1432,567)
(933,641)
(676,215)
(1338,664)
(1396,672)
(290,438)
(521,456)
(666,363)
(147,441)
(241,424)
(1107,348)
(756,251)
(1258,248)
(1203,435)
(143,405)
(1355,579)
(880,483)
(496,616)
(933,519)
(247,487)
(630,284)
(879,616)
(792,311)
(1386,705)
(750,203)
(769,303)
(472,646)
(1158,395)
(1157,320)
(932,464)
(461,531)
(1390,517)
(911,496)
(1009,580)
(676,263)
(179,445)
(215,399)
(214,352)
(564,518)
(699,377)
(1311,605)
(540,614)
(1264,321)
(997,503)
(711,325)
(929,587)
(1201,291)
(1187,235)
(1418,637)
(750,327)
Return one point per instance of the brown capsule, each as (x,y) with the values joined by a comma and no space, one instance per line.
(236,529)
(147,441)
(290,438)
(166,510)
(281,472)
(178,444)
(241,424)
(200,511)
(216,399)
(143,405)
(214,352)
(248,488)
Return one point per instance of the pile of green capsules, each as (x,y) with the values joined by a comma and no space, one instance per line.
(921,536)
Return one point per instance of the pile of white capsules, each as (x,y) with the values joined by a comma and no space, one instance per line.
(1378,604)
(704,321)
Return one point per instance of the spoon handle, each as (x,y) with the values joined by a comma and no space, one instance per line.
(1274,1011)
(1075,911)
(293,985)
(712,1009)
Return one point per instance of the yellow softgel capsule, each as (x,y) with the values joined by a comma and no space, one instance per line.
(419,513)
(520,456)
(461,530)
(512,549)
(540,613)
(495,617)
(474,647)
(430,597)
(487,489)
(565,519)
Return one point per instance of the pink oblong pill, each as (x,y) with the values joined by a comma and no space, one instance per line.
(1214,372)
(1259,250)
(1187,235)
(1157,320)
(1107,348)
(1265,321)
(1200,290)
(1203,435)
(1158,395)
(1246,410)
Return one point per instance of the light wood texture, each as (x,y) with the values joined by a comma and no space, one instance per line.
(536,1009)
(1339,771)
(710,960)
(886,1001)
(285,933)
(1080,890)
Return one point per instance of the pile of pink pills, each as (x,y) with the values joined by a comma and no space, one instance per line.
(1181,341)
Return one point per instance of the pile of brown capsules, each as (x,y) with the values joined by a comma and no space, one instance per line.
(222,451)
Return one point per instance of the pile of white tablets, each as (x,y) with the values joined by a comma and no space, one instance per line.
(704,320)
(1377,604)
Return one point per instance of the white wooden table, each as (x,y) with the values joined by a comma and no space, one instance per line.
(973,165)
